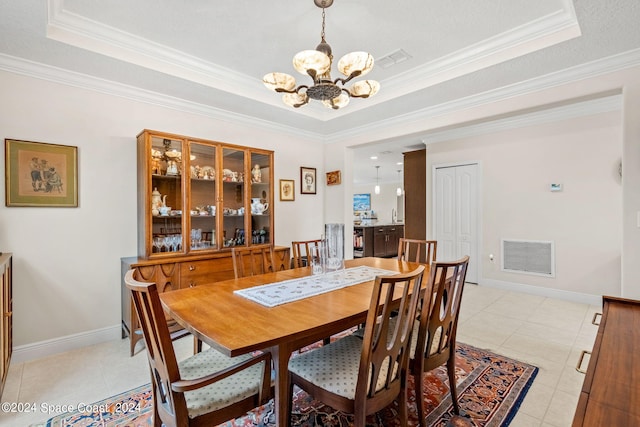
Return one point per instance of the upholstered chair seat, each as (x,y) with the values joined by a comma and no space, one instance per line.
(344,358)
(225,392)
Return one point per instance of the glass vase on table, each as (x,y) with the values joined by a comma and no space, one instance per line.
(334,247)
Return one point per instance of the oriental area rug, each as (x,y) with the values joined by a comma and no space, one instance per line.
(490,390)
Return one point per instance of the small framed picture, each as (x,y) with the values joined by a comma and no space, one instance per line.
(287,190)
(307,180)
(40,174)
(333,178)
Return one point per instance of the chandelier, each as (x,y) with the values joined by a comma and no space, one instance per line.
(317,65)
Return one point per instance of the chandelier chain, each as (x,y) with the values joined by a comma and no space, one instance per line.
(322,32)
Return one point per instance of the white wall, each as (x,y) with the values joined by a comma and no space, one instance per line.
(67,260)
(583,219)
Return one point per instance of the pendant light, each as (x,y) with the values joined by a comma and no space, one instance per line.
(399,189)
(377,187)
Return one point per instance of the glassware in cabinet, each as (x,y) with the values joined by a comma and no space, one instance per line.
(261,202)
(233,197)
(203,197)
(166,195)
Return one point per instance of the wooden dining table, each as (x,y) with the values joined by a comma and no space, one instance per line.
(235,325)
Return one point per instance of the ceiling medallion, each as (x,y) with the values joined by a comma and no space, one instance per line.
(317,64)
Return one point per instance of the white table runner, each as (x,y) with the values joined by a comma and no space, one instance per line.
(286,291)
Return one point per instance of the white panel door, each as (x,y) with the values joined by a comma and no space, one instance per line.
(456,214)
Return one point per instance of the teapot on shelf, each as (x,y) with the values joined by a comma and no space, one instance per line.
(257,207)
(157,201)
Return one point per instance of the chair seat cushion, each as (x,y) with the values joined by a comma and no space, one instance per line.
(222,393)
(334,367)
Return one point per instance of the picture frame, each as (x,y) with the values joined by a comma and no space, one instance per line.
(308,180)
(287,190)
(334,178)
(361,203)
(39,174)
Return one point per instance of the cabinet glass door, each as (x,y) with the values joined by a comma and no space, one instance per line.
(203,209)
(166,196)
(233,197)
(261,177)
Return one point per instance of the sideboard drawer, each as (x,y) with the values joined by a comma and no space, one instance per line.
(194,273)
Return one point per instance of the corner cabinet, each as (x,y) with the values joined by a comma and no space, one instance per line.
(196,200)
(197,196)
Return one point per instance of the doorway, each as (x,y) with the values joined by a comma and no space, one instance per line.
(455,214)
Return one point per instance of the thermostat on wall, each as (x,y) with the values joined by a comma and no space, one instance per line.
(556,187)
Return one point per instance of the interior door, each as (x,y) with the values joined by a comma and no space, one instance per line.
(456,215)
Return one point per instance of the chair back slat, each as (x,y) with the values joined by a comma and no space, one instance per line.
(252,260)
(302,252)
(439,317)
(385,352)
(162,359)
(416,250)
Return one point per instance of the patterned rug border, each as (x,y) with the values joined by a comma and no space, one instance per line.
(478,382)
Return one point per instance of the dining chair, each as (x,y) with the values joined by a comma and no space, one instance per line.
(434,332)
(302,252)
(205,389)
(252,260)
(363,374)
(413,250)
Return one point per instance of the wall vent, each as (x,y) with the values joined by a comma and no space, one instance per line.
(528,257)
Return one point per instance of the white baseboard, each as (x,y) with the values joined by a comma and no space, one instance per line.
(544,292)
(24,353)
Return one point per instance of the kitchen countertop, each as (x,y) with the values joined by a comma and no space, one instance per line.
(377,225)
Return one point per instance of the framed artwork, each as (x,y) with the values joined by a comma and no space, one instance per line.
(334,178)
(40,174)
(287,190)
(361,203)
(307,180)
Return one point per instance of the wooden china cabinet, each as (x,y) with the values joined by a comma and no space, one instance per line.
(196,200)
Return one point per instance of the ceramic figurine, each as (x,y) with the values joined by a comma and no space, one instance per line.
(256,174)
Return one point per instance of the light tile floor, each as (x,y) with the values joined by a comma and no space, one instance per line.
(545,332)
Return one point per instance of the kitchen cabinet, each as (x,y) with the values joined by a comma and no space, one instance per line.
(379,241)
(362,242)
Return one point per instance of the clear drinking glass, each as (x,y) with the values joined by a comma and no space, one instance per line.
(318,259)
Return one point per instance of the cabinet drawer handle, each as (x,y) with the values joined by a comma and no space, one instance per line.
(191,268)
(192,285)
(579,365)
(595,316)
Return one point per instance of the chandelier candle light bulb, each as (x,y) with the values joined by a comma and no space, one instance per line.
(317,65)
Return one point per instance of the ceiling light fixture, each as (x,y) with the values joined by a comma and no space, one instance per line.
(399,189)
(317,64)
(377,187)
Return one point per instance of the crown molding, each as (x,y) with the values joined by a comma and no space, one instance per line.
(70,78)
(371,131)
(589,70)
(550,115)
(76,30)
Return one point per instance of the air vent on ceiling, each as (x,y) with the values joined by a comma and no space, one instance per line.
(528,257)
(393,58)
